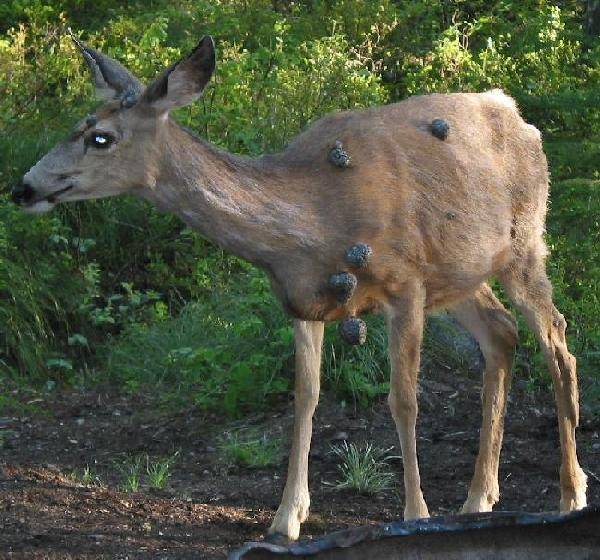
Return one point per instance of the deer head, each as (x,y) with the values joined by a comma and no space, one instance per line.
(114,150)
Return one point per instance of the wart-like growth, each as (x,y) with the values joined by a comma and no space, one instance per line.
(343,285)
(353,331)
(359,255)
(338,156)
(440,128)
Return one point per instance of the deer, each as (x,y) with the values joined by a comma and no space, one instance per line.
(380,210)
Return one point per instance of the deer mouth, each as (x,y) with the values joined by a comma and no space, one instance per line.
(46,203)
(53,198)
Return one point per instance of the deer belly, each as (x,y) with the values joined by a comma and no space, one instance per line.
(452,282)
(320,302)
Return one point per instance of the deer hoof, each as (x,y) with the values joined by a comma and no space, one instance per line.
(440,128)
(359,255)
(338,156)
(353,331)
(343,285)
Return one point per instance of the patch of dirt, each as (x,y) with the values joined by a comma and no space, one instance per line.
(209,507)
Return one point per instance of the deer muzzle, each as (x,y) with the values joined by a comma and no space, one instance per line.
(22,193)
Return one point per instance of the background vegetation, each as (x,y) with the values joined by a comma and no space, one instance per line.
(113,291)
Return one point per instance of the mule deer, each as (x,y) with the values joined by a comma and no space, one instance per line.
(434,211)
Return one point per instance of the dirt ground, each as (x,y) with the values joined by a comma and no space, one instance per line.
(209,507)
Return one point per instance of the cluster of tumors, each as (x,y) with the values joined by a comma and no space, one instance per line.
(343,284)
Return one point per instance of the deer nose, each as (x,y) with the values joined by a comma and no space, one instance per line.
(22,193)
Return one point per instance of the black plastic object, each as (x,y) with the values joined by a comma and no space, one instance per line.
(478,536)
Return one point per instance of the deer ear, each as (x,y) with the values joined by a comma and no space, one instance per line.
(112,80)
(183,82)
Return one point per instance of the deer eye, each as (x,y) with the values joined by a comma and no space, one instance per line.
(100,140)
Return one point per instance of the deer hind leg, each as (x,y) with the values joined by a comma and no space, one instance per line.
(528,286)
(405,318)
(495,330)
(295,502)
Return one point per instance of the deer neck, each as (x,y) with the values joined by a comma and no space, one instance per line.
(241,204)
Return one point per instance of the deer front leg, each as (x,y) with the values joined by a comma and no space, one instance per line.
(405,318)
(295,503)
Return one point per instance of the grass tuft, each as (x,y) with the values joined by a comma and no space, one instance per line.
(252,452)
(130,469)
(159,471)
(364,469)
(87,476)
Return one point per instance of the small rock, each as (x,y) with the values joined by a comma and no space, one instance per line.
(95,537)
(340,436)
(209,449)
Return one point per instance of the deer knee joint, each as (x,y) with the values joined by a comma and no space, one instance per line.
(401,405)
(308,395)
(559,322)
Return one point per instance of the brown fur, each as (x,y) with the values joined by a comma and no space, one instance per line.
(441,217)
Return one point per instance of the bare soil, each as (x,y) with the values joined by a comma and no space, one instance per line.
(210,506)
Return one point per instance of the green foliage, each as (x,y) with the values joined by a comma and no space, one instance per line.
(223,355)
(574,238)
(246,450)
(359,373)
(109,285)
(130,469)
(363,469)
(158,471)
(87,476)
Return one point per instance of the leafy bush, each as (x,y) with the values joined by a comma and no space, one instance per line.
(223,355)
(108,284)
(574,238)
